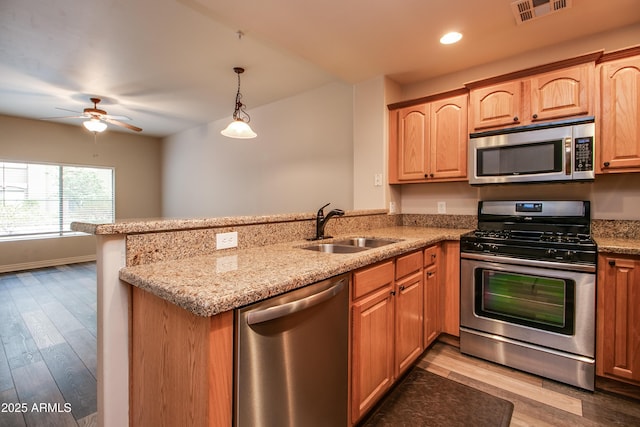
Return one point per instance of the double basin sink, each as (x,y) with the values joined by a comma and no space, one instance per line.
(350,245)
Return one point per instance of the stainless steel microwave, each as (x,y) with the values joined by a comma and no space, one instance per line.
(546,152)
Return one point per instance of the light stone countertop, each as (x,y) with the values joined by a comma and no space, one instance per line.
(618,246)
(229,279)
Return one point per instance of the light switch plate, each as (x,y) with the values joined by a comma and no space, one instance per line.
(442,207)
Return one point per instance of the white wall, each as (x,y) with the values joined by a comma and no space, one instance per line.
(301,159)
(136,160)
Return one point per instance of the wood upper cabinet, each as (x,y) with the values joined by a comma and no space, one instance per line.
(619,116)
(428,142)
(618,318)
(496,105)
(540,97)
(372,335)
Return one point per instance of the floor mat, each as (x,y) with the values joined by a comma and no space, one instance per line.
(426,399)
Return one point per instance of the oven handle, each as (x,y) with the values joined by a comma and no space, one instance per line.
(529,262)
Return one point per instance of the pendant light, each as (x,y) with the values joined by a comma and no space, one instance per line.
(239,127)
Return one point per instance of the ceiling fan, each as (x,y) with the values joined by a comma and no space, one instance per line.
(97,119)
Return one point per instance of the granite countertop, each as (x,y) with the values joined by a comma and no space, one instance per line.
(211,284)
(618,245)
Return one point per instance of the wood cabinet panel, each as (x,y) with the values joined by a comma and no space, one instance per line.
(372,278)
(619,116)
(431,305)
(409,321)
(428,141)
(408,264)
(618,318)
(181,365)
(372,350)
(561,93)
(450,297)
(496,105)
(413,134)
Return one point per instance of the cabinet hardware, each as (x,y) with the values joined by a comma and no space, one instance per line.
(515,119)
(393,293)
(535,116)
(402,288)
(612,262)
(429,274)
(606,164)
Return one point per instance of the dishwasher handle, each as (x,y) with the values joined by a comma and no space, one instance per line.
(271,313)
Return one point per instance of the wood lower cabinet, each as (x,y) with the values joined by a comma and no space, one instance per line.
(432,303)
(181,365)
(618,318)
(409,321)
(450,288)
(372,337)
(619,114)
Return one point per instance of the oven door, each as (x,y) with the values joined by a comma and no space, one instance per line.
(550,304)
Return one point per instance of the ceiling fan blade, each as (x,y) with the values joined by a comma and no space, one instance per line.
(124,125)
(72,111)
(114,117)
(63,117)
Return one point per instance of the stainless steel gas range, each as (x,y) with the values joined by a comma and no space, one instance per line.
(528,288)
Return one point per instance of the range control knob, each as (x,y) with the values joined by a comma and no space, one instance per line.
(569,255)
(493,248)
(551,253)
(478,246)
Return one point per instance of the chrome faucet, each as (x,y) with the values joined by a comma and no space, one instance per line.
(321,221)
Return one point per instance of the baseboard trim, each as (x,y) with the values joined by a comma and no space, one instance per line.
(46,263)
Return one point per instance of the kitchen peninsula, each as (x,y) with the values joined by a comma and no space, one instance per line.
(184,290)
(184,293)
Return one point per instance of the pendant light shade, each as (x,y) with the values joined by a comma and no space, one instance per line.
(95,125)
(239,127)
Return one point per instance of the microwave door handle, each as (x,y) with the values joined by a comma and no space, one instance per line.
(567,155)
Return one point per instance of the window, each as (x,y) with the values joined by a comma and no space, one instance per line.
(44,199)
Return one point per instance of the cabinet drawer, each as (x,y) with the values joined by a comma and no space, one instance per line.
(430,256)
(372,278)
(408,264)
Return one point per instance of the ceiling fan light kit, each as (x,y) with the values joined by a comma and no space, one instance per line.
(239,127)
(94,125)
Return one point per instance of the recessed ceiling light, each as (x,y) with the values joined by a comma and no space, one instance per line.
(450,38)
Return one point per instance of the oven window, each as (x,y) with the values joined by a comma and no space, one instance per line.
(525,159)
(541,302)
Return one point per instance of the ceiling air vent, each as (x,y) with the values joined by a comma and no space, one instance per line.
(528,10)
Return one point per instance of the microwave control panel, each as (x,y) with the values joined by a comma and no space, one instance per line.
(583,149)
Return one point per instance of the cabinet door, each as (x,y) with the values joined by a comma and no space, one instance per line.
(619,112)
(409,321)
(619,318)
(372,350)
(431,305)
(561,93)
(496,105)
(412,140)
(448,138)
(450,292)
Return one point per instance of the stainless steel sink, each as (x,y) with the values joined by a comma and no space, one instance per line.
(365,242)
(333,248)
(350,245)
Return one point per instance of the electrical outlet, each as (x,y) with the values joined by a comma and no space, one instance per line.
(227,240)
(442,207)
(377,180)
(392,207)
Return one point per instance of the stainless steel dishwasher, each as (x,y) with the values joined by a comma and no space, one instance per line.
(291,358)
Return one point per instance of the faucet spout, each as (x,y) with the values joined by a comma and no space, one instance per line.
(321,221)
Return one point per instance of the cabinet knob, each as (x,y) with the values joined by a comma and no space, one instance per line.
(429,274)
(515,119)
(402,288)
(606,164)
(535,116)
(393,293)
(612,262)
(430,175)
(426,175)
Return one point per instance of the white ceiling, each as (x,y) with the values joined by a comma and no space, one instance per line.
(168,64)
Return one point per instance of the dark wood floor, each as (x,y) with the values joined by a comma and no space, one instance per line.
(48,355)
(48,358)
